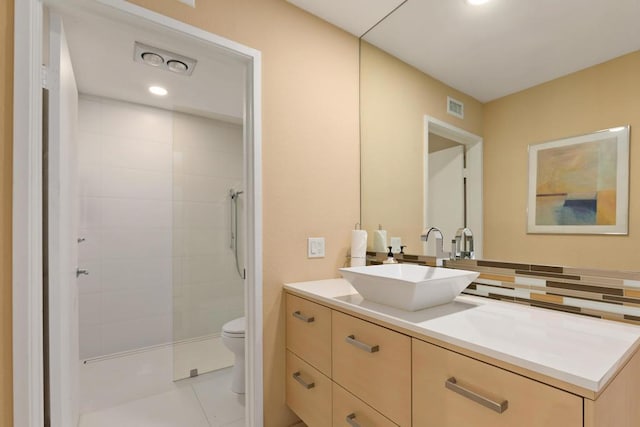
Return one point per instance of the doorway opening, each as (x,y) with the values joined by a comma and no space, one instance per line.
(452,181)
(151,198)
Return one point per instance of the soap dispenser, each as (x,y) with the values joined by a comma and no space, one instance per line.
(390,259)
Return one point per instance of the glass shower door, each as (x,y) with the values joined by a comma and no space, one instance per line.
(208,291)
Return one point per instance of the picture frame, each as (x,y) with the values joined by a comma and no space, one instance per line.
(580,184)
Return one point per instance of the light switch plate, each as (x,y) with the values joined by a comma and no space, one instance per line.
(315,247)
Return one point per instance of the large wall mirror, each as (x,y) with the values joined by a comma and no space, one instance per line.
(414,151)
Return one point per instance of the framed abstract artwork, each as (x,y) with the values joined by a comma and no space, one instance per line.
(580,185)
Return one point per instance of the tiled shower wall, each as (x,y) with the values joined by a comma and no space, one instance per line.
(207,163)
(125,174)
(606,294)
(154,212)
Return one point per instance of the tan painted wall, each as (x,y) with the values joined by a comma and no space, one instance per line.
(310,143)
(6,136)
(310,159)
(395,97)
(599,97)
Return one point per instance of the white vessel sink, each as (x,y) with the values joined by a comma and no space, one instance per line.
(408,286)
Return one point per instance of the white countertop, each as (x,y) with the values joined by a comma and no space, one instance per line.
(578,350)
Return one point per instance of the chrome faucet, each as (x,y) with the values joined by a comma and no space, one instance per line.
(463,244)
(441,255)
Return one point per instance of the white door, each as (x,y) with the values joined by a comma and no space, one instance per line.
(445,203)
(62,231)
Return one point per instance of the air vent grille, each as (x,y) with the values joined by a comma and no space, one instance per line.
(455,107)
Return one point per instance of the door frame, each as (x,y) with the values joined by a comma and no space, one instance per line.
(28,401)
(473,171)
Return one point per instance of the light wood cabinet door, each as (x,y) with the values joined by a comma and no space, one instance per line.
(373,363)
(309,332)
(451,390)
(349,411)
(308,392)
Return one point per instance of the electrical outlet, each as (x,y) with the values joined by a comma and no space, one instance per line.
(315,247)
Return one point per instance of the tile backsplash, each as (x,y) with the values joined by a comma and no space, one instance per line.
(606,294)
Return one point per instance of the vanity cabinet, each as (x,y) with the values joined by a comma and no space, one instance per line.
(374,363)
(451,390)
(309,332)
(339,368)
(348,410)
(308,392)
(355,370)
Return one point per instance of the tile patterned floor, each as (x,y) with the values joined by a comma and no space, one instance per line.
(204,401)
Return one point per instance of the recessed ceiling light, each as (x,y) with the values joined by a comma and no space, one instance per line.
(157,90)
(177,66)
(477,2)
(152,59)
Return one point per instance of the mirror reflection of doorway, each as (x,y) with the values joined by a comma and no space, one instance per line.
(446,206)
(453,182)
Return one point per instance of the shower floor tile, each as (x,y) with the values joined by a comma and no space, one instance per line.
(204,401)
(221,406)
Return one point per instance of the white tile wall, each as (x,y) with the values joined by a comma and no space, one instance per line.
(125,273)
(207,163)
(126,208)
(155,212)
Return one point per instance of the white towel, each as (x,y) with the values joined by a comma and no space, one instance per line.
(380,241)
(358,248)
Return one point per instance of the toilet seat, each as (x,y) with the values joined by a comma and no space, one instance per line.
(235,328)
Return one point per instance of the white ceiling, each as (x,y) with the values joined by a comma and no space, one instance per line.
(102,57)
(502,47)
(354,16)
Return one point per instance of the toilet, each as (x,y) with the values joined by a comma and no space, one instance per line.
(233,339)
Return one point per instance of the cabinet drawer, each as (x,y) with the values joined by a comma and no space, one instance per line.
(309,332)
(308,392)
(374,364)
(451,390)
(348,410)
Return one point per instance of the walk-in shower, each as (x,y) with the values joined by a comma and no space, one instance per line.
(207,290)
(153,201)
(155,215)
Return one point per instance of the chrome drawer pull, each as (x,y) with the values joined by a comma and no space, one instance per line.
(297,377)
(351,420)
(351,339)
(302,317)
(452,385)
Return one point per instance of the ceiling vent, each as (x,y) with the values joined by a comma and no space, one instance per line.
(163,59)
(455,107)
